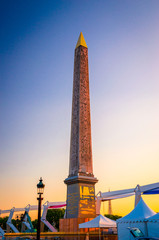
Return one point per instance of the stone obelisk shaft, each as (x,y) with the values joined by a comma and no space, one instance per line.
(81,181)
(81,146)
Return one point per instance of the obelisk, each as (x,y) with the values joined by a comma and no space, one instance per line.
(81,181)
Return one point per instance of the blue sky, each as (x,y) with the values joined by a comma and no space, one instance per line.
(36,77)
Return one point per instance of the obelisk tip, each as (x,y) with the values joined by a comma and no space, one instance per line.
(81,41)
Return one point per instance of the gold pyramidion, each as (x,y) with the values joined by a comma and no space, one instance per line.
(81,41)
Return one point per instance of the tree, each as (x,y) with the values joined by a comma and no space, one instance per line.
(3,222)
(35,223)
(53,216)
(16,222)
(113,217)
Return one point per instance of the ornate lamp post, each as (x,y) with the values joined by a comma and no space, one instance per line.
(40,190)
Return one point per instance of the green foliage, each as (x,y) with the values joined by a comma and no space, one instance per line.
(113,217)
(16,222)
(3,222)
(53,216)
(35,223)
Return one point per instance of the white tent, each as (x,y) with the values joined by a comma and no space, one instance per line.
(99,222)
(153,225)
(136,218)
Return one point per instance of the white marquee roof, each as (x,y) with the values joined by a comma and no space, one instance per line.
(99,222)
(138,214)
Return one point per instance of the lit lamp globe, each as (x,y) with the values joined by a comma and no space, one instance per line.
(40,187)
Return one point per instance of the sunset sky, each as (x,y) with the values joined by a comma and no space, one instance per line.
(38,39)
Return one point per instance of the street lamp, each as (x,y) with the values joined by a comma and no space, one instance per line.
(40,190)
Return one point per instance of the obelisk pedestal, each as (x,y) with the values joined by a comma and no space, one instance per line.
(81,181)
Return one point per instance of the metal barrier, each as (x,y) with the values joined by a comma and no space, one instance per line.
(61,236)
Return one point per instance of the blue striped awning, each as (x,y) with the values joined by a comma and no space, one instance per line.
(152,191)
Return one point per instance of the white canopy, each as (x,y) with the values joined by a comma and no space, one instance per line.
(139,213)
(99,222)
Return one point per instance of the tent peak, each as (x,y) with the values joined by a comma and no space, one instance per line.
(139,213)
